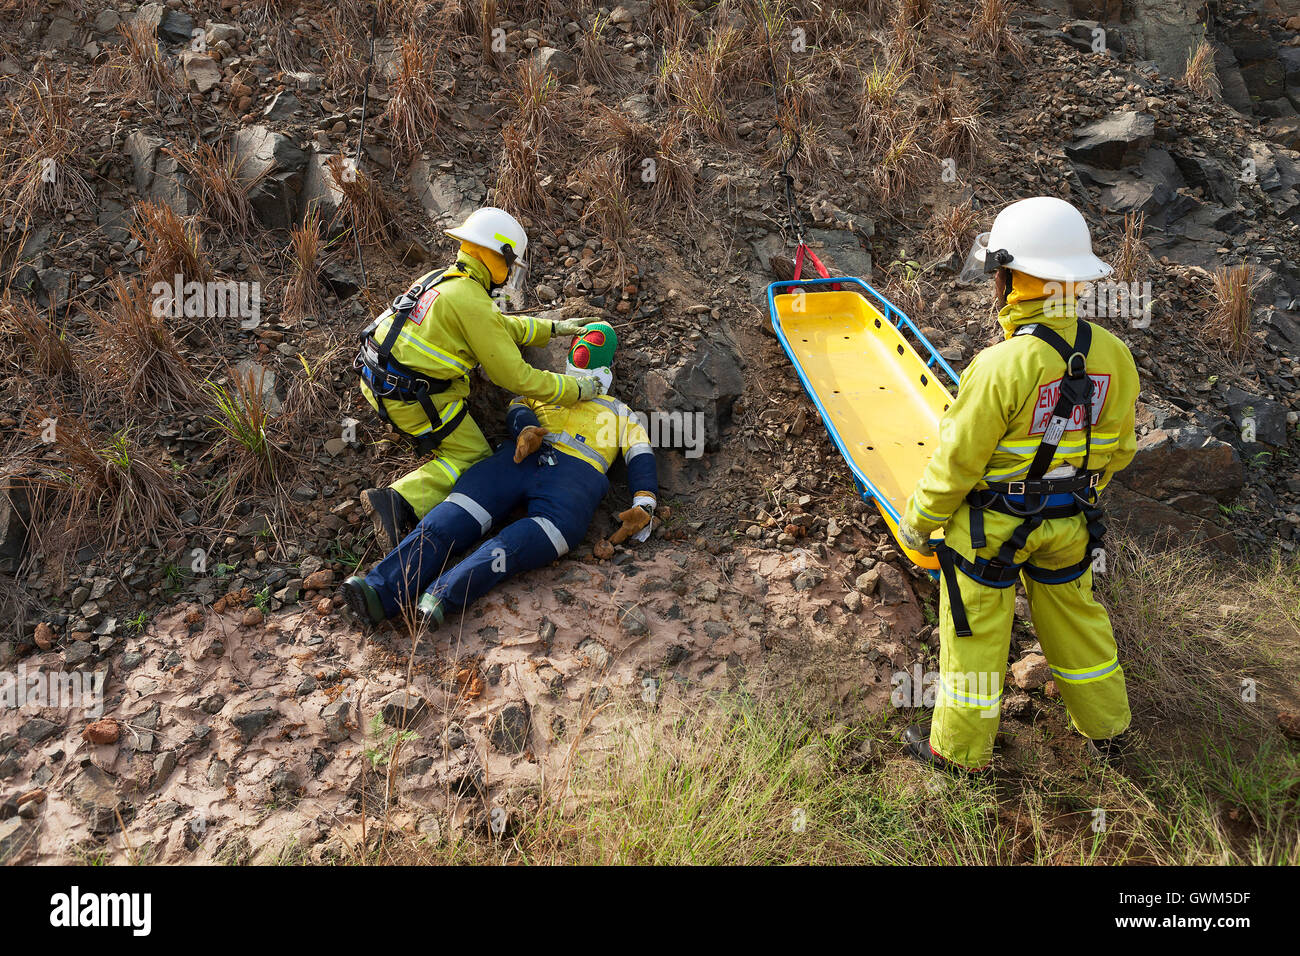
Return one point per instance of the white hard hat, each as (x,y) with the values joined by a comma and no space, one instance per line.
(1043,237)
(495,229)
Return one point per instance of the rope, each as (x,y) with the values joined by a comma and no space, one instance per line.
(356,163)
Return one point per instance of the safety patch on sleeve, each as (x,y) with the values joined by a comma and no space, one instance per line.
(422,306)
(1047,398)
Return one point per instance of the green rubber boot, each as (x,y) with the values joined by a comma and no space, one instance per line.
(363,600)
(431,611)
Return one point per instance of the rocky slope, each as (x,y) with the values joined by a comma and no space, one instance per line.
(241,702)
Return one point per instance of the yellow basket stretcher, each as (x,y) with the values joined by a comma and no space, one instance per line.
(878,398)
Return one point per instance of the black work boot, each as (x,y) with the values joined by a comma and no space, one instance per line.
(392,516)
(916,741)
(363,600)
(1111,751)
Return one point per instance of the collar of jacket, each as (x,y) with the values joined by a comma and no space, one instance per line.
(475,270)
(1059,318)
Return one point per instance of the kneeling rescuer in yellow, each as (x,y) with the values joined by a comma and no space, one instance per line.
(1041,423)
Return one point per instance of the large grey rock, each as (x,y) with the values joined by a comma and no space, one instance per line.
(707,381)
(16,836)
(1184,460)
(447,196)
(403,708)
(1266,417)
(94,793)
(1159,30)
(276,166)
(157,175)
(252,722)
(15,516)
(1113,141)
(320,192)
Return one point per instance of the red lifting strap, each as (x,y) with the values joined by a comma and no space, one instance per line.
(799,253)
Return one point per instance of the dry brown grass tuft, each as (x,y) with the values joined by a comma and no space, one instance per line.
(345,54)
(674,179)
(141,355)
(596,58)
(242,413)
(303,292)
(519,184)
(111,488)
(139,68)
(953,231)
(1231,304)
(487,21)
(1132,257)
(373,215)
(46,346)
(991,34)
(39,162)
(1199,76)
(669,19)
(880,115)
(172,244)
(412,111)
(214,175)
(901,167)
(693,83)
(608,209)
(956,126)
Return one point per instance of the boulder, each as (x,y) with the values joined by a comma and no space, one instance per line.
(1265,416)
(157,175)
(15,516)
(320,192)
(1030,672)
(447,196)
(1113,141)
(707,382)
(1179,460)
(276,167)
(403,708)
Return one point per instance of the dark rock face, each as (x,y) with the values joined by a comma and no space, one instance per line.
(276,166)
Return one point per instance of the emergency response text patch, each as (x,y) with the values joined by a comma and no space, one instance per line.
(1049,393)
(422,306)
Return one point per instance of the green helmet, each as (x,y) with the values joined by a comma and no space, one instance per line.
(594,346)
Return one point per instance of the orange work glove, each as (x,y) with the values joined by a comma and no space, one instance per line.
(529,440)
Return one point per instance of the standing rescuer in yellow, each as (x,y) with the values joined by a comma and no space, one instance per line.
(415,360)
(1041,423)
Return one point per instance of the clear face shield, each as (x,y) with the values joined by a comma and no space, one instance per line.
(973,271)
(509,295)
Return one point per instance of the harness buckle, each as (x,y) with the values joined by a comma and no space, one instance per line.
(1016,488)
(1094,480)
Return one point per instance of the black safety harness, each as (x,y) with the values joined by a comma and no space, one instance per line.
(1036,499)
(389,379)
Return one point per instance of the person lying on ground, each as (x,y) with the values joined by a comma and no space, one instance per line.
(556,468)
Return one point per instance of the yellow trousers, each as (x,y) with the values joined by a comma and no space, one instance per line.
(1072,627)
(429,484)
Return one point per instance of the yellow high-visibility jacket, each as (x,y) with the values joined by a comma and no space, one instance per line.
(456,325)
(1004,402)
(596,431)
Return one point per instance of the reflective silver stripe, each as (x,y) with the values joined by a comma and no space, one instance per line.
(640,448)
(557,540)
(476,510)
(606,403)
(587,452)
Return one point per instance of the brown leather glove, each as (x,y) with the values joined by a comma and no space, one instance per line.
(634,519)
(529,440)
